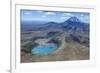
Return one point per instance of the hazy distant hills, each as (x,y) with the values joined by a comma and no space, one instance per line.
(71,24)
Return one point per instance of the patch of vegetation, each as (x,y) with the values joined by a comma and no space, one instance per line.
(75,38)
(68,39)
(56,41)
(80,39)
(53,34)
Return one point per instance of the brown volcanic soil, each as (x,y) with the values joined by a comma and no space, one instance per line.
(68,51)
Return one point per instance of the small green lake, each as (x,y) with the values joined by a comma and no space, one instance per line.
(48,48)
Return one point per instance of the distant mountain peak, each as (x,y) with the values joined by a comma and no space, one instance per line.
(73,19)
(51,23)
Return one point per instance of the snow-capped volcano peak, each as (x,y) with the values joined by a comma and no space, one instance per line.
(74,19)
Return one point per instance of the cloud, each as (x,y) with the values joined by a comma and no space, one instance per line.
(40,11)
(50,13)
(67,14)
(27,13)
(44,16)
(64,17)
(84,18)
(82,15)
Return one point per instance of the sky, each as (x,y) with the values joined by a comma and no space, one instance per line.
(52,16)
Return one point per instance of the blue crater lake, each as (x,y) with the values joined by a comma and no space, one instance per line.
(44,49)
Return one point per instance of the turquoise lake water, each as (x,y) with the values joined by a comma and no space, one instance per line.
(44,49)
